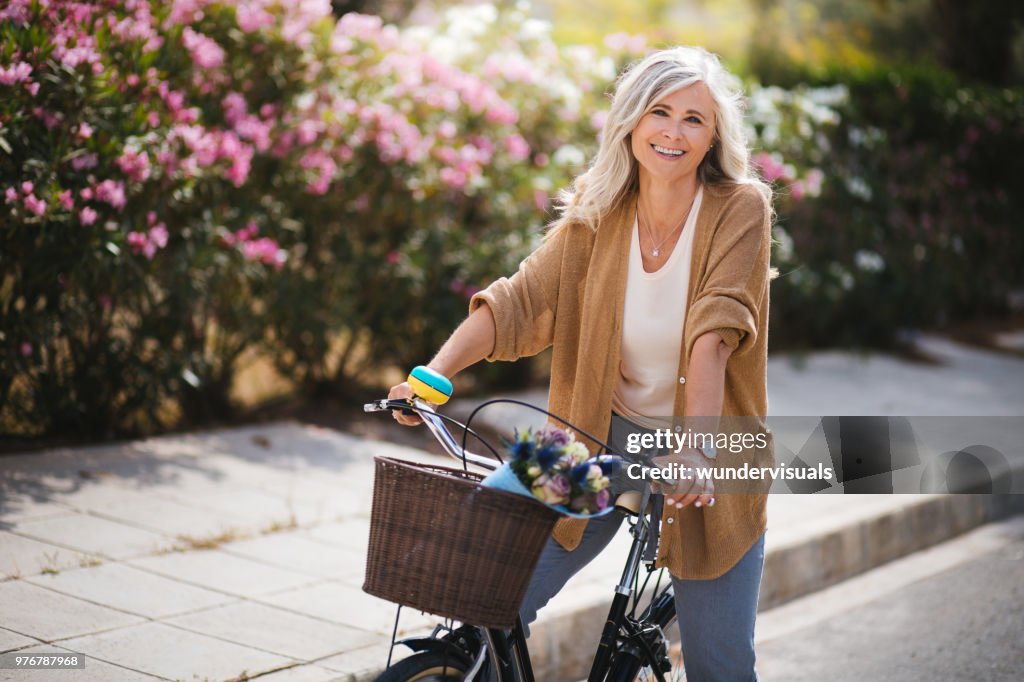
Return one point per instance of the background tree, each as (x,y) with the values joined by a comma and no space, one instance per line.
(978,40)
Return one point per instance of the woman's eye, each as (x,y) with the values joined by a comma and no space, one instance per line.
(694,119)
(660,112)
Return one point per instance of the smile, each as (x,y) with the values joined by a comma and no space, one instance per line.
(665,151)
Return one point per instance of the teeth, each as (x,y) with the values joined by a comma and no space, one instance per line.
(666,150)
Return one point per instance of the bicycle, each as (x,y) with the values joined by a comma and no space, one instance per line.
(632,646)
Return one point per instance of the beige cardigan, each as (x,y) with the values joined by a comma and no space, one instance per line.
(569,294)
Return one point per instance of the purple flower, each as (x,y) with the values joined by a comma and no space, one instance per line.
(552,489)
(554,435)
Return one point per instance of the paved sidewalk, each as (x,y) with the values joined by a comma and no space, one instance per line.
(205,556)
(952,612)
(220,554)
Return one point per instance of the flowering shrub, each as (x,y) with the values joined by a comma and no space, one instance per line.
(131,231)
(557,469)
(912,223)
(433,154)
(184,182)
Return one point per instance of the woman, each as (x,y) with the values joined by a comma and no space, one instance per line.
(652,289)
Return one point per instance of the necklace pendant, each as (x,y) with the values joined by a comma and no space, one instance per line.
(655,252)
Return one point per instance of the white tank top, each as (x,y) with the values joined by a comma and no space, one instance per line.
(652,327)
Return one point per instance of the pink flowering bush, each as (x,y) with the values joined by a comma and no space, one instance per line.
(421,172)
(184,182)
(132,260)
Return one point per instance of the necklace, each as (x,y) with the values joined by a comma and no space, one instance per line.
(656,251)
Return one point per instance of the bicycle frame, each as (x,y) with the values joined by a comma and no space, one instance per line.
(509,652)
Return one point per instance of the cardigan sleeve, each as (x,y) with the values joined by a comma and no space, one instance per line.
(733,284)
(524,304)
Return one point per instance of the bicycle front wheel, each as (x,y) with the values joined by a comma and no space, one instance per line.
(428,666)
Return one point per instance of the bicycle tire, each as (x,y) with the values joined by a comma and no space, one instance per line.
(427,666)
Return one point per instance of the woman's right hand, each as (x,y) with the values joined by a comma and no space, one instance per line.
(403,391)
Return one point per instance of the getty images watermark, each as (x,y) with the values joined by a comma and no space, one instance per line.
(830,455)
(709,444)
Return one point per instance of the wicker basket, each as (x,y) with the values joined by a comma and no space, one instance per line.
(441,543)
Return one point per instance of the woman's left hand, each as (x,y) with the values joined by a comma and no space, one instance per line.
(693,488)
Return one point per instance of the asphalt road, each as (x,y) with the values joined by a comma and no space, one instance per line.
(954,612)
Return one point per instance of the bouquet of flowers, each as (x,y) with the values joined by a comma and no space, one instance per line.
(552,466)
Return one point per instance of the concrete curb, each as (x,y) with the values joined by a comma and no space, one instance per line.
(833,556)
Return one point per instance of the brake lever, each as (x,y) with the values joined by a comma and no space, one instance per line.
(376,406)
(384,405)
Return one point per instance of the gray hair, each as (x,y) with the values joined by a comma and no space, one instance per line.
(614,172)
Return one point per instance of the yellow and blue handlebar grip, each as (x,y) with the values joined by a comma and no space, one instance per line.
(430,385)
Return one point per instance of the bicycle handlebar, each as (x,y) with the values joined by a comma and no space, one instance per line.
(434,421)
(431,388)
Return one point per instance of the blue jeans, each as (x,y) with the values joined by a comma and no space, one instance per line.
(716,617)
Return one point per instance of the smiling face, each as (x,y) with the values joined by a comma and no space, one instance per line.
(672,138)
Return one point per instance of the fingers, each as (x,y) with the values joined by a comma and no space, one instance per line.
(403,391)
(707,499)
(701,493)
(682,493)
(681,501)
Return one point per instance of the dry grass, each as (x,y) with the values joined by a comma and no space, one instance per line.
(277,526)
(188,542)
(192,542)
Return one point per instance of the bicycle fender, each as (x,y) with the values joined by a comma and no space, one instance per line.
(421,644)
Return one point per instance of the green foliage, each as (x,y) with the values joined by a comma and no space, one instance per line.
(918,221)
(183,187)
